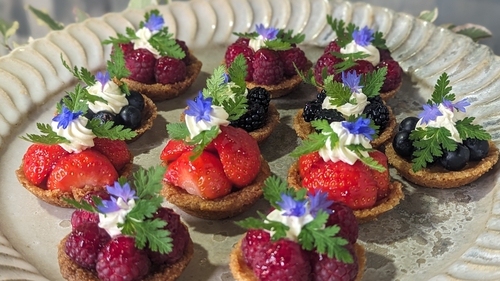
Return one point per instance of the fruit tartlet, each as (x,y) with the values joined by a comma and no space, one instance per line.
(363,50)
(273,59)
(125,234)
(340,161)
(161,67)
(303,238)
(74,155)
(259,117)
(355,95)
(214,170)
(441,147)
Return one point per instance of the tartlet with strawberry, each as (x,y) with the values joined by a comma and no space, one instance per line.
(125,234)
(214,170)
(303,238)
(356,95)
(339,160)
(359,49)
(74,155)
(273,59)
(161,67)
(441,147)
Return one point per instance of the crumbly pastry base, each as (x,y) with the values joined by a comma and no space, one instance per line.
(73,272)
(149,114)
(435,176)
(55,197)
(242,272)
(304,129)
(159,92)
(225,207)
(381,206)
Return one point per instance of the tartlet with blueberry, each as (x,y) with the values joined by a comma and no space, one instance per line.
(441,148)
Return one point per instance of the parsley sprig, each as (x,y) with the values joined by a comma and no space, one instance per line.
(344,33)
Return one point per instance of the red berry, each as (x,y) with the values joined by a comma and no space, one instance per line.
(104,195)
(362,67)
(115,150)
(253,241)
(291,57)
(141,63)
(126,47)
(84,242)
(325,268)
(267,67)
(384,54)
(169,70)
(174,149)
(343,217)
(234,50)
(332,47)
(326,61)
(394,75)
(185,48)
(242,41)
(382,179)
(79,217)
(40,159)
(306,162)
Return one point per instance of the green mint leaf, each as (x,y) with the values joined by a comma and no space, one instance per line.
(148,183)
(45,18)
(116,65)
(48,136)
(83,74)
(110,131)
(288,36)
(441,90)
(467,130)
(374,81)
(429,143)
(177,131)
(251,35)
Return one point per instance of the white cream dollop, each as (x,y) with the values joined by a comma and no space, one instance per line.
(370,50)
(79,136)
(293,222)
(256,43)
(361,100)
(110,221)
(111,93)
(447,120)
(144,35)
(218,116)
(340,152)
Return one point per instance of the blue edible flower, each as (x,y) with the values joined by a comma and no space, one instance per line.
(103,78)
(319,201)
(363,37)
(116,191)
(459,105)
(200,108)
(154,23)
(430,113)
(266,33)
(351,79)
(66,117)
(226,78)
(360,127)
(292,207)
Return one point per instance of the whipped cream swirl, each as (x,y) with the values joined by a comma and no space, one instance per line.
(370,50)
(293,222)
(79,136)
(109,92)
(218,116)
(446,120)
(110,221)
(356,108)
(142,42)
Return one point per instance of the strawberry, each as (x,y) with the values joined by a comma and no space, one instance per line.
(174,149)
(382,179)
(40,159)
(351,184)
(203,176)
(76,170)
(239,154)
(115,150)
(306,161)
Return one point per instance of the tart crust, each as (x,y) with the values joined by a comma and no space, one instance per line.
(73,272)
(381,206)
(303,128)
(437,177)
(242,272)
(159,92)
(55,197)
(227,206)
(149,114)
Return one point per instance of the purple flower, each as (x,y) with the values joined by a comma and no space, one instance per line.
(154,23)
(430,113)
(460,105)
(292,207)
(124,192)
(109,206)
(351,79)
(319,201)
(363,37)
(226,78)
(360,127)
(66,117)
(103,78)
(266,33)
(200,108)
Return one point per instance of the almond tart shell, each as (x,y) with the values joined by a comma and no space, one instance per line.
(159,92)
(435,176)
(55,197)
(394,196)
(149,114)
(73,272)
(227,206)
(242,272)
(304,129)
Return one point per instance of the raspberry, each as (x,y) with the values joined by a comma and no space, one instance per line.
(253,119)
(127,47)
(169,70)
(141,64)
(327,61)
(185,48)
(268,68)
(121,260)
(379,113)
(362,67)
(98,193)
(79,217)
(332,47)
(243,41)
(311,109)
(291,57)
(325,268)
(84,242)
(234,50)
(394,75)
(384,54)
(330,115)
(252,243)
(343,216)
(259,95)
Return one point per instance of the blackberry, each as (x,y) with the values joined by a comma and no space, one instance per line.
(310,110)
(375,99)
(259,95)
(253,119)
(330,115)
(321,95)
(379,113)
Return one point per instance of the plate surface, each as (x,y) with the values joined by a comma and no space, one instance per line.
(431,235)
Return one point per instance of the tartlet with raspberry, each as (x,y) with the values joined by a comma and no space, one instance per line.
(125,233)
(440,148)
(74,155)
(215,171)
(302,238)
(340,161)
(356,95)
(161,67)
(362,50)
(273,59)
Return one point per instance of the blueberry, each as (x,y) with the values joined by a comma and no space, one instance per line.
(130,117)
(478,148)
(105,116)
(136,99)
(455,160)
(408,124)
(89,115)
(402,144)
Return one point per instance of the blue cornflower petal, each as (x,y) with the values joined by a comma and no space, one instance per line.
(200,108)
(292,207)
(103,78)
(266,33)
(363,37)
(66,117)
(351,79)
(226,78)
(124,192)
(108,206)
(430,113)
(319,201)
(460,105)
(360,127)
(154,23)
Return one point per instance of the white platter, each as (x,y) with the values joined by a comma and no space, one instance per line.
(431,235)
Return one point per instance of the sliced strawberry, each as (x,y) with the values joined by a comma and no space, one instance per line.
(382,179)
(115,150)
(174,149)
(203,177)
(306,161)
(76,170)
(351,184)
(40,159)
(239,154)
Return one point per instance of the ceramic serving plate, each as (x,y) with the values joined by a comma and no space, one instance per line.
(431,235)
